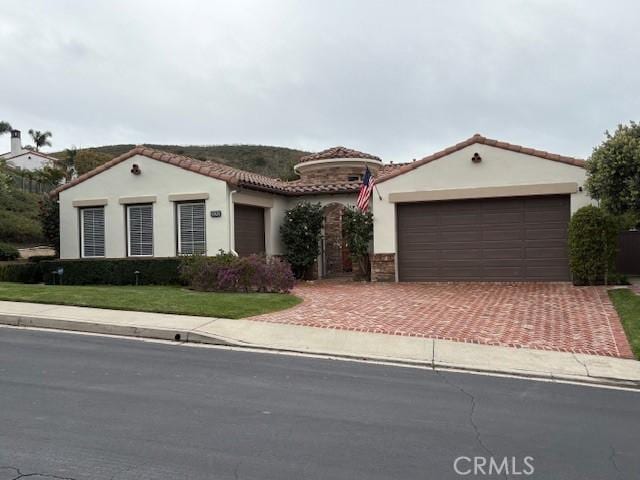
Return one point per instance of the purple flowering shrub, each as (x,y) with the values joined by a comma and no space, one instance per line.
(225,272)
(201,272)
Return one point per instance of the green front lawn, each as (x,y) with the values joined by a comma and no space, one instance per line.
(159,299)
(628,306)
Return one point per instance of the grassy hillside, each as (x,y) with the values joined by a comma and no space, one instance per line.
(273,161)
(19,224)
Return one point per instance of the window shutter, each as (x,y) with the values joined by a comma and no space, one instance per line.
(191,228)
(140,219)
(92,232)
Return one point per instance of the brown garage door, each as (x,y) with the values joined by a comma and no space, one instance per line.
(249,229)
(496,239)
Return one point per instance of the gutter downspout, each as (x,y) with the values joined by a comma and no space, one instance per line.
(231,210)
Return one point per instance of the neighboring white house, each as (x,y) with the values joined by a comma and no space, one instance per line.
(24,158)
(480,210)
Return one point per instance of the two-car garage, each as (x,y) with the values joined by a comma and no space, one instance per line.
(494,239)
(481,210)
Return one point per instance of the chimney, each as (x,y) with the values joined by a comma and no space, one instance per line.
(16,143)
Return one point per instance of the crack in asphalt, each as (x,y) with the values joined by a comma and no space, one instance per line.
(34,474)
(236,470)
(6,467)
(612,460)
(471,413)
(126,470)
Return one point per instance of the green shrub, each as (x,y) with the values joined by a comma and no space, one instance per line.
(49,217)
(201,272)
(300,233)
(358,231)
(593,244)
(21,273)
(113,271)
(41,258)
(226,272)
(8,252)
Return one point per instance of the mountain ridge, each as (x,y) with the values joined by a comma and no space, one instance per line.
(268,160)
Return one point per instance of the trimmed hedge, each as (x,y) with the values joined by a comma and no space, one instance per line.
(593,244)
(116,271)
(113,271)
(21,273)
(41,258)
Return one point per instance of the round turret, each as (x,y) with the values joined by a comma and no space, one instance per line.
(336,165)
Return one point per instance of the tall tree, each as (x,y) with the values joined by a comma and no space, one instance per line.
(68,164)
(614,170)
(5,127)
(40,139)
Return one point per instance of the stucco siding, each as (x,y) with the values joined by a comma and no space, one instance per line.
(157,180)
(28,161)
(498,168)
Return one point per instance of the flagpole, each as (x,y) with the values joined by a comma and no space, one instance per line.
(375,185)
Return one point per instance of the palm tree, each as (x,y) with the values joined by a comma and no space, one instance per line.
(67,165)
(4,128)
(40,139)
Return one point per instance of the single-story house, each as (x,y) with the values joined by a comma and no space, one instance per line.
(481,210)
(26,158)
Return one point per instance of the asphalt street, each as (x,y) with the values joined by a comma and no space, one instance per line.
(89,407)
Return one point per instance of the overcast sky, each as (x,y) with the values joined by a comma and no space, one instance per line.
(400,79)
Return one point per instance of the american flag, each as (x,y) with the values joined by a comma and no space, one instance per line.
(368,182)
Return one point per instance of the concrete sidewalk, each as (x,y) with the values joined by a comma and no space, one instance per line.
(333,342)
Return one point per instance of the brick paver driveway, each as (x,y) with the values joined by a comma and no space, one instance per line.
(548,316)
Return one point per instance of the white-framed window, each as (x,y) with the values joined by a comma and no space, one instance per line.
(92,232)
(140,230)
(191,228)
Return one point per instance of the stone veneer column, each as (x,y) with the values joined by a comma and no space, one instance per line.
(333,238)
(383,267)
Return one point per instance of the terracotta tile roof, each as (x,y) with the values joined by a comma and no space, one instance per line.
(389,168)
(297,187)
(255,181)
(337,152)
(219,171)
(477,138)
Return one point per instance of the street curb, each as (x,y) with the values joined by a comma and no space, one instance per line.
(110,329)
(190,336)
